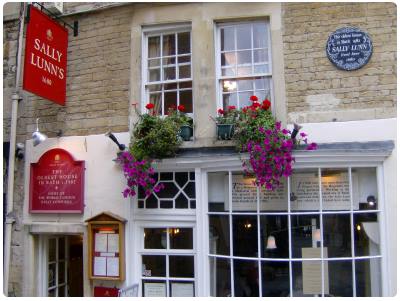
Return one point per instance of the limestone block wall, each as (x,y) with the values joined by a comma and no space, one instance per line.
(316,91)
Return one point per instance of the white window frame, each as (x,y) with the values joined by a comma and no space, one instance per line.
(220,78)
(150,31)
(140,250)
(380,211)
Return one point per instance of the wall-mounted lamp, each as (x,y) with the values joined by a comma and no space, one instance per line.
(113,138)
(37,136)
(20,150)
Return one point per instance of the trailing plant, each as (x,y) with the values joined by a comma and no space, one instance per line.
(154,137)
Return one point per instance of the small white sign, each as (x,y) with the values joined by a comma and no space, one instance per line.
(182,289)
(312,271)
(152,289)
(113,243)
(113,266)
(99,267)
(100,242)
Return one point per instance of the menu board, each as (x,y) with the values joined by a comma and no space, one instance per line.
(106,254)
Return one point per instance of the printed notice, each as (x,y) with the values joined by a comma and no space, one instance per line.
(100,242)
(113,266)
(113,243)
(312,280)
(155,290)
(182,290)
(99,268)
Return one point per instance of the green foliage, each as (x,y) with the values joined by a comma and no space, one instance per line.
(248,123)
(155,137)
(180,117)
(227,117)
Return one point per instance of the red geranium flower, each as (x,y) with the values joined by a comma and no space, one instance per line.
(181,108)
(231,108)
(256,104)
(266,104)
(172,107)
(149,106)
(253,98)
(244,110)
(221,111)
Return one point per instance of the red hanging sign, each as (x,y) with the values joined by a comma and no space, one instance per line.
(45,68)
(56,183)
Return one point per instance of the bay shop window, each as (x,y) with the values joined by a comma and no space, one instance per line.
(295,241)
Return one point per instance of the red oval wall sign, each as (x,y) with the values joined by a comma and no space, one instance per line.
(57,183)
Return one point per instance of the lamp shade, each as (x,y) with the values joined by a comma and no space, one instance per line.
(271,244)
(316,234)
(38,137)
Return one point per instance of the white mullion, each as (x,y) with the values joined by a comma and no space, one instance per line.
(57,262)
(386,282)
(321,225)
(176,56)
(167,260)
(290,238)
(231,233)
(353,263)
(252,48)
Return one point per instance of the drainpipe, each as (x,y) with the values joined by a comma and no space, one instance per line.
(10,216)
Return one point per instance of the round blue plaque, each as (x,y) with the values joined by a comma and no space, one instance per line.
(349,48)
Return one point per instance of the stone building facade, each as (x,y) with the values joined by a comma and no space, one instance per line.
(105,84)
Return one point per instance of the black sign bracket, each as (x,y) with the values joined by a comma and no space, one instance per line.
(74,27)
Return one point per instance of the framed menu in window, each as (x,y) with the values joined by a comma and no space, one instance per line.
(105,247)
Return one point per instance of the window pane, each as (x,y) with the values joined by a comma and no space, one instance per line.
(260,56)
(335,189)
(304,233)
(218,191)
(181,201)
(229,100)
(243,71)
(219,234)
(244,57)
(154,75)
(181,238)
(246,84)
(262,83)
(154,47)
(365,189)
(155,238)
(228,58)
(243,35)
(51,293)
(170,99)
(306,283)
(227,38)
(337,235)
(154,88)
(274,236)
(52,274)
(260,35)
(61,272)
(184,71)
(169,44)
(185,99)
(183,42)
(52,249)
(260,69)
(170,86)
(244,99)
(154,63)
(274,200)
(169,61)
(61,291)
(157,283)
(220,277)
(184,59)
(368,278)
(246,278)
(228,71)
(244,192)
(340,286)
(61,248)
(181,266)
(182,289)
(153,265)
(190,190)
(275,279)
(304,194)
(244,233)
(366,234)
(155,98)
(169,73)
(229,86)
(185,85)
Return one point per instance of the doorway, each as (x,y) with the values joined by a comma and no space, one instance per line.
(64,264)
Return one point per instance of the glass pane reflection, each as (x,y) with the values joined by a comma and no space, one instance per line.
(304,233)
(246,278)
(368,278)
(366,234)
(337,235)
(220,277)
(245,242)
(219,234)
(275,279)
